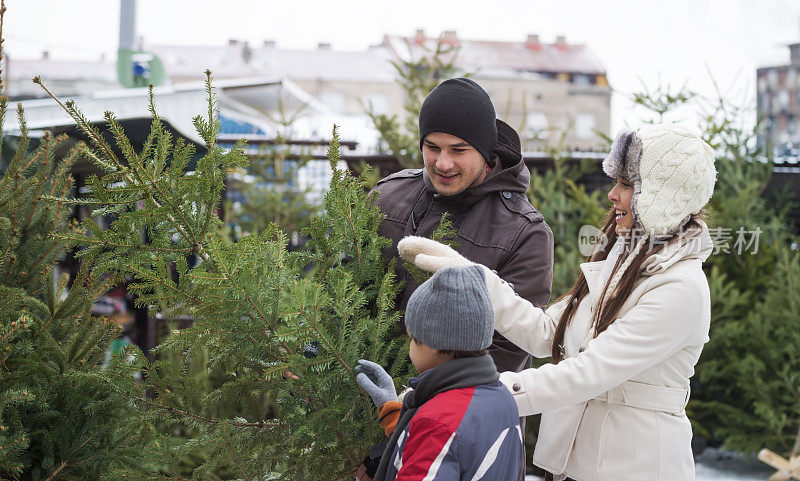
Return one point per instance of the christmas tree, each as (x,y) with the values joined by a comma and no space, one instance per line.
(62,415)
(276,327)
(269,187)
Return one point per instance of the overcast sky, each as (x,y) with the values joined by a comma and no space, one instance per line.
(648,41)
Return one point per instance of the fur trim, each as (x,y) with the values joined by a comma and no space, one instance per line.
(623,160)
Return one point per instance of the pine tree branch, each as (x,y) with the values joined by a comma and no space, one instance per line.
(15,326)
(169,460)
(233,456)
(120,444)
(356,241)
(250,301)
(147,247)
(321,334)
(83,124)
(189,236)
(64,464)
(33,160)
(34,204)
(164,283)
(58,470)
(208,420)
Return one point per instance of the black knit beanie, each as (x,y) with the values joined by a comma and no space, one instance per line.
(462,108)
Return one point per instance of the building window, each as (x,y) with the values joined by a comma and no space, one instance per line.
(763,103)
(377,103)
(783,100)
(536,125)
(581,79)
(584,126)
(333,100)
(791,78)
(772,78)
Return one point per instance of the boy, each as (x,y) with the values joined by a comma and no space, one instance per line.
(459,422)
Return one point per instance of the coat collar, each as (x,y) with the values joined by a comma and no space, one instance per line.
(592,271)
(694,244)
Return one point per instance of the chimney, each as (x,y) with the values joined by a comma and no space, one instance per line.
(247,52)
(450,37)
(269,43)
(232,42)
(561,40)
(323,46)
(532,42)
(420,37)
(45,55)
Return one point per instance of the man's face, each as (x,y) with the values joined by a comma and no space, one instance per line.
(452,164)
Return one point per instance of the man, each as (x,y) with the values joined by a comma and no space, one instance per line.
(474,171)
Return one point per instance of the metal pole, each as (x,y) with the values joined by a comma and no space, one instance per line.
(127,25)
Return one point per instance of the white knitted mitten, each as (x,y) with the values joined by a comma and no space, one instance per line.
(430,255)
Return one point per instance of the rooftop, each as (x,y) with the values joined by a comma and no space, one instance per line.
(530,55)
(240,60)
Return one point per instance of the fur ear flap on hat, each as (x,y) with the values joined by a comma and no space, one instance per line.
(623,160)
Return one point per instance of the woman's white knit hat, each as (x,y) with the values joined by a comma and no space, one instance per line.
(672,172)
(673,176)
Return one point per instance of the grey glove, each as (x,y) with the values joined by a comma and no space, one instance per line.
(376,381)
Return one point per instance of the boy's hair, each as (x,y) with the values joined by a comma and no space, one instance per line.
(456,354)
(463,354)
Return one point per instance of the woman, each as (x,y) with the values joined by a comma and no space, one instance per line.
(625,339)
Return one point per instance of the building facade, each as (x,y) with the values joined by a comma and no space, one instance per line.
(778,105)
(553,93)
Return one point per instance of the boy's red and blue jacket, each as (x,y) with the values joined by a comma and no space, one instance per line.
(467,433)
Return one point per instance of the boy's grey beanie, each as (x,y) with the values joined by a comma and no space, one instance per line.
(452,310)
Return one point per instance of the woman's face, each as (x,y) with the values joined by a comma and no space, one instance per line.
(620,196)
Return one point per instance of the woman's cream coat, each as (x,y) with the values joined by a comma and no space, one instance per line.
(616,410)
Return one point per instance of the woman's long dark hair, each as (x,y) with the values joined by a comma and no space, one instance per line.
(607,312)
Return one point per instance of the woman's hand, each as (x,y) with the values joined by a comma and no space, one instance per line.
(430,255)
